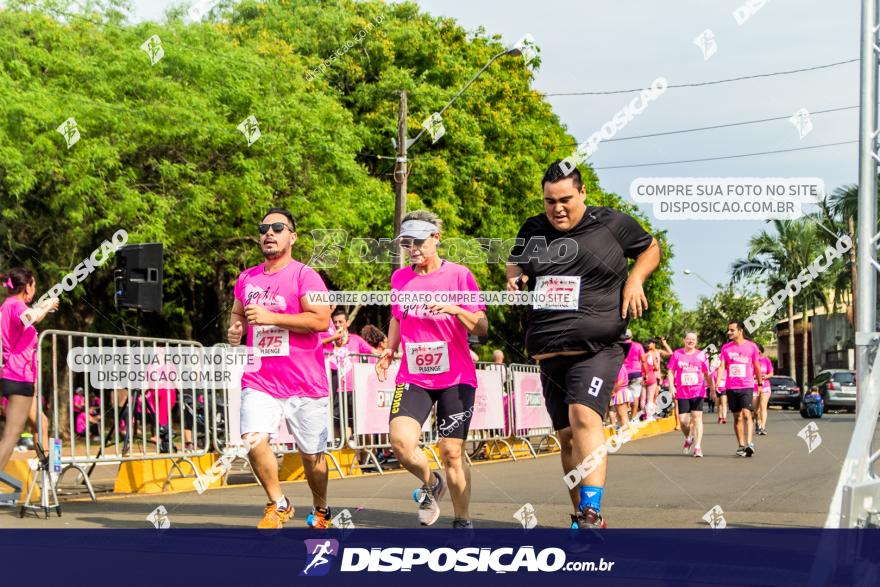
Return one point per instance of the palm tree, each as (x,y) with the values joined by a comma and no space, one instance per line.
(778,258)
(842,207)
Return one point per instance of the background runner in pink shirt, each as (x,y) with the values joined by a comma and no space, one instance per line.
(739,362)
(688,374)
(762,395)
(18,346)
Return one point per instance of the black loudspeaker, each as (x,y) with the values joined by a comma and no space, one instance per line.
(138,277)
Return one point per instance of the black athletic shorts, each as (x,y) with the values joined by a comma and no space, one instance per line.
(586,379)
(694,404)
(10,387)
(455,406)
(739,399)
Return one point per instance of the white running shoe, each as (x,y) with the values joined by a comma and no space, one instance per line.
(686,449)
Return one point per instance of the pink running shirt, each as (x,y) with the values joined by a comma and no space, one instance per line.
(633,360)
(766,366)
(286,370)
(341,355)
(689,373)
(418,325)
(19,342)
(738,359)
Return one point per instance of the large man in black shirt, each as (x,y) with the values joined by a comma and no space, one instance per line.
(579,345)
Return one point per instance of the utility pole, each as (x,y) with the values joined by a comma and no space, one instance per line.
(400,173)
(866,300)
(401,164)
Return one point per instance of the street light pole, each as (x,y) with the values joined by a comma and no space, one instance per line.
(400,174)
(700,277)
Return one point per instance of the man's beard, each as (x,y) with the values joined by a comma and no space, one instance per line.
(271,255)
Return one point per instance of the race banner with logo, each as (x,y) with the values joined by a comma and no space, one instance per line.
(372,399)
(528,401)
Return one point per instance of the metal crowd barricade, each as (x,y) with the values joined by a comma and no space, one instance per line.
(488,439)
(222,418)
(119,424)
(371,442)
(531,400)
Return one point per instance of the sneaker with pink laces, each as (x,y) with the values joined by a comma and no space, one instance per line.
(698,452)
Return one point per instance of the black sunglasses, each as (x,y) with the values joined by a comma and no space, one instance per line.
(277,227)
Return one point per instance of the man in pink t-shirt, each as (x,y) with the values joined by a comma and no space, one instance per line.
(436,367)
(739,364)
(688,373)
(291,384)
(341,349)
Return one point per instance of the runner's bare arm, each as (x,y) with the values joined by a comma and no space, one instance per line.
(514,272)
(388,354)
(666,351)
(333,337)
(759,375)
(711,381)
(634,300)
(475,322)
(236,324)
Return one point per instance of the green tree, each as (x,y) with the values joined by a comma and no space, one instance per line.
(161,156)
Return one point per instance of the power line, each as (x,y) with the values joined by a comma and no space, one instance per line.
(727,156)
(699,84)
(701,128)
(658,134)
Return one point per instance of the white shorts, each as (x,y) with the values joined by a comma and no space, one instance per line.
(635,389)
(305,417)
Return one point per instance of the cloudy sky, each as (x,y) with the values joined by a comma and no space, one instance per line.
(590,45)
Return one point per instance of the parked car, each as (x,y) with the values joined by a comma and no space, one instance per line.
(784,391)
(837,387)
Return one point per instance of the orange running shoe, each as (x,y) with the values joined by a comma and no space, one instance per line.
(273,518)
(320,518)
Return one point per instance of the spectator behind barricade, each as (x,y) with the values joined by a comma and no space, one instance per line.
(342,365)
(345,345)
(161,396)
(375,338)
(498,364)
(379,341)
(330,335)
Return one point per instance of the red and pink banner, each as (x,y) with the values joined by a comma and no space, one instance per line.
(528,401)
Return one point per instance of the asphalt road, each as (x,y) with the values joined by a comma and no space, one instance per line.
(651,484)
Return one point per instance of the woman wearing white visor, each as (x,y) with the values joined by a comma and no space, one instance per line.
(436,367)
